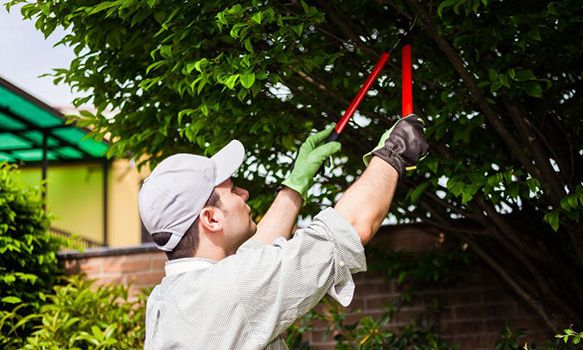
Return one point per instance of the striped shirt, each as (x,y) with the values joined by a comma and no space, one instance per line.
(247,300)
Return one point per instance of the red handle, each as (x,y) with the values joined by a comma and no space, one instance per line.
(362,92)
(407,81)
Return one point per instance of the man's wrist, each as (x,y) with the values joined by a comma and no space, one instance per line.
(291,194)
(296,185)
(379,163)
(392,158)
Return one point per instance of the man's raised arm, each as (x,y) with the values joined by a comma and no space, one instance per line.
(281,217)
(366,203)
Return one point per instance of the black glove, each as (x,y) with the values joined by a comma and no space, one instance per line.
(401,146)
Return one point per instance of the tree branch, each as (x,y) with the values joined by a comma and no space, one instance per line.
(342,23)
(517,247)
(319,84)
(533,301)
(475,93)
(530,139)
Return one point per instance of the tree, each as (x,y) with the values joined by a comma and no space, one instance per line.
(499,83)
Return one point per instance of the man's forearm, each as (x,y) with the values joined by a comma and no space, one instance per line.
(281,217)
(366,203)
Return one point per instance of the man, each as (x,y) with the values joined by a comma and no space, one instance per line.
(232,284)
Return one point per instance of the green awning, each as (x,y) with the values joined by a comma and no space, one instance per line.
(28,126)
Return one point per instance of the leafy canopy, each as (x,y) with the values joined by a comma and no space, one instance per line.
(499,83)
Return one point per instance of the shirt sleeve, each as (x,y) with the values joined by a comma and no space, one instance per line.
(280,283)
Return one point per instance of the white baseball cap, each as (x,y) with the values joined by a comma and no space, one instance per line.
(172,197)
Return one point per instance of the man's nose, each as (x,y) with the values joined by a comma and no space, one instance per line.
(243,193)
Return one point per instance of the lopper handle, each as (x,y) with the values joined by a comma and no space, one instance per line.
(407,79)
(360,95)
(407,83)
(333,136)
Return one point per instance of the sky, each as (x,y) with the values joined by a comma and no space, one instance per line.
(25,54)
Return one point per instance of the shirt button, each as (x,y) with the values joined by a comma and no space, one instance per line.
(341,263)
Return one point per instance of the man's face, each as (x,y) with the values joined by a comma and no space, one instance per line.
(238,224)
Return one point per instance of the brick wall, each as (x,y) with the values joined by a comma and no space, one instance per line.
(476,310)
(141,266)
(477,306)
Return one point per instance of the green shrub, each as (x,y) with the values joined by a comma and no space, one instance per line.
(28,254)
(570,335)
(420,333)
(513,339)
(14,327)
(79,315)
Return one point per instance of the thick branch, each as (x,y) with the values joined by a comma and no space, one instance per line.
(349,143)
(506,275)
(463,231)
(320,85)
(445,204)
(534,302)
(517,248)
(530,139)
(343,24)
(471,84)
(566,163)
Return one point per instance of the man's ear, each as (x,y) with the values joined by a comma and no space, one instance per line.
(211,219)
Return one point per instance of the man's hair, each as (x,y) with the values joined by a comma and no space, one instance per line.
(189,242)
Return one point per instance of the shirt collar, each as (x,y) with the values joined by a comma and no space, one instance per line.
(177,266)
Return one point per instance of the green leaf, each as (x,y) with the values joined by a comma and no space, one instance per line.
(466,197)
(102,6)
(533,89)
(248,47)
(247,80)
(492,75)
(298,29)
(204,109)
(445,4)
(11,300)
(97,332)
(432,164)
(200,64)
(231,81)
(525,75)
(552,218)
(221,20)
(235,10)
(535,35)
(257,17)
(242,94)
(154,66)
(236,29)
(402,276)
(201,85)
(418,191)
(572,200)
(305,6)
(496,86)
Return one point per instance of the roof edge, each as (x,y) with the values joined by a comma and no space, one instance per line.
(15,89)
(30,98)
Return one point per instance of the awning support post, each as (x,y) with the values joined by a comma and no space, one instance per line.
(45,166)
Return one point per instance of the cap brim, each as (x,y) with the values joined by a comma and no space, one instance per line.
(228,160)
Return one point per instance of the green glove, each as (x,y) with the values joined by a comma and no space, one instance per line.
(313,152)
